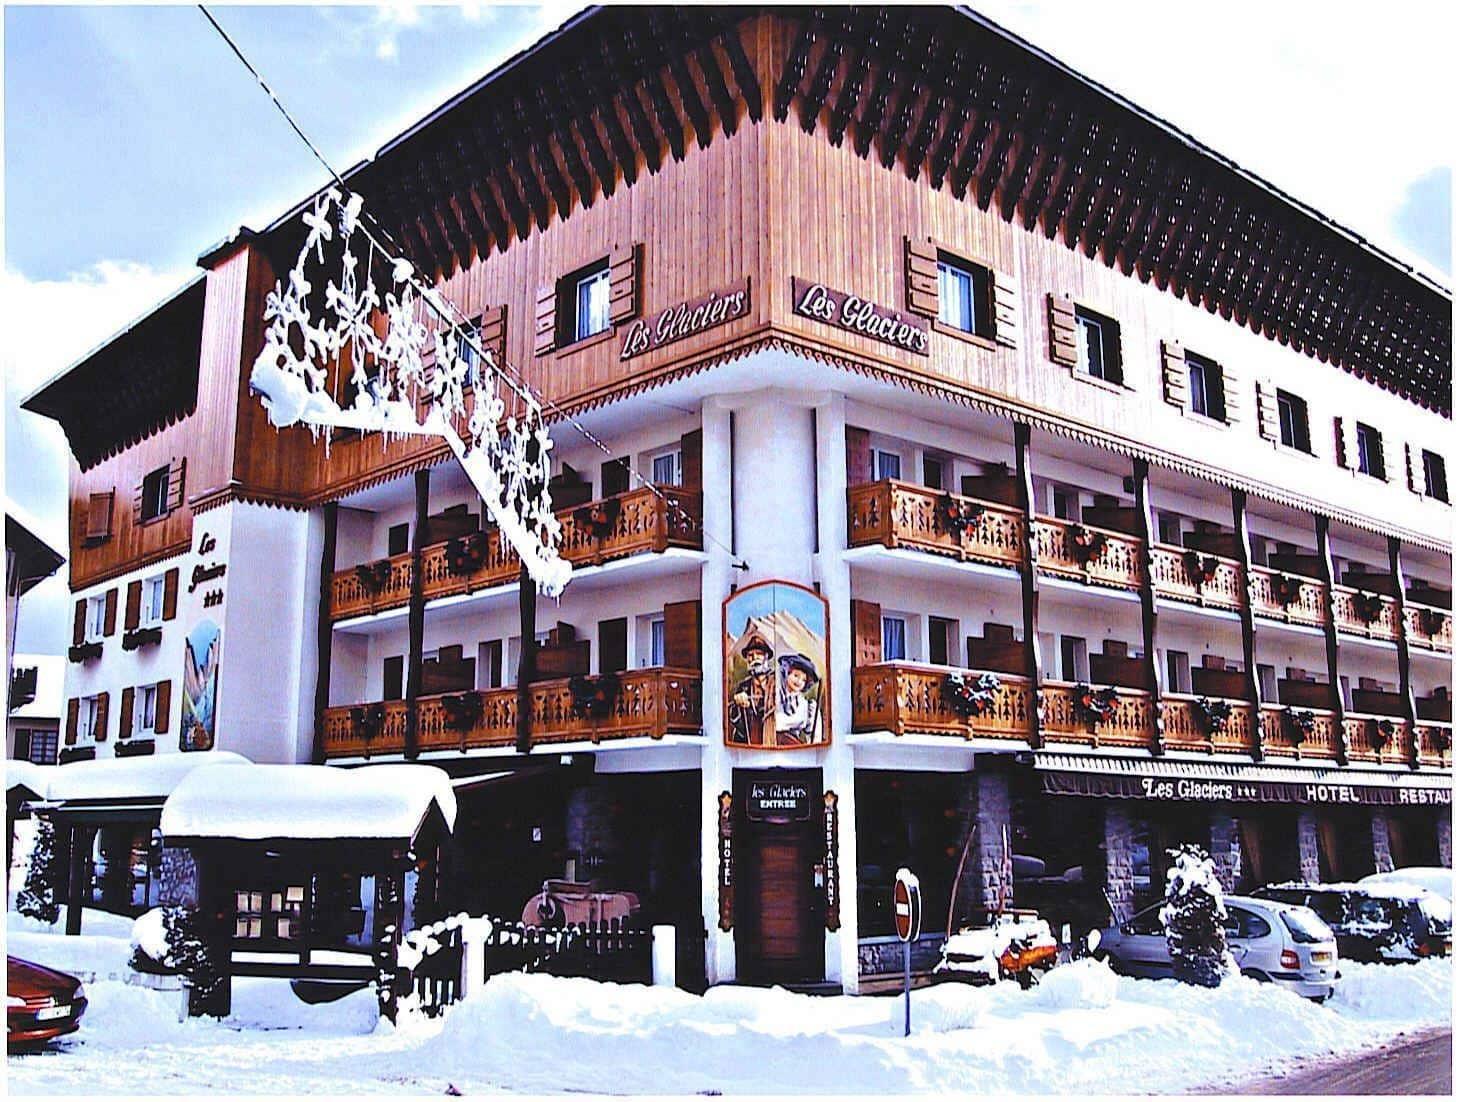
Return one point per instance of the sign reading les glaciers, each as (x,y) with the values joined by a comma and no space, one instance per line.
(686,320)
(856,315)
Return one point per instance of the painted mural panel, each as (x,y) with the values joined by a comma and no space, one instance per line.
(776,663)
(200,686)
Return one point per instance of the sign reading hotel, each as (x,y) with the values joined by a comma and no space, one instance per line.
(856,315)
(687,319)
(1136,787)
(776,664)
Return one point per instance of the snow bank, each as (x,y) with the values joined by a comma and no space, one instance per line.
(121,778)
(307,801)
(86,956)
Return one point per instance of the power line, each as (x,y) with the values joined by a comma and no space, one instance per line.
(460,324)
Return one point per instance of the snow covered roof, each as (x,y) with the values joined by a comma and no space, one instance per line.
(49,682)
(153,777)
(308,802)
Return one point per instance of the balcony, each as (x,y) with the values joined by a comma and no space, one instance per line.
(649,703)
(1289,598)
(909,699)
(1365,613)
(1429,627)
(637,522)
(899,514)
(1195,577)
(1081,552)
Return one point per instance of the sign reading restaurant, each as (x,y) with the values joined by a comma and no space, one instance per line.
(686,320)
(856,315)
(1135,787)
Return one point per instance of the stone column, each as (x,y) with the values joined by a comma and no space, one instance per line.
(1307,846)
(1119,860)
(1225,849)
(1381,843)
(1445,839)
(991,849)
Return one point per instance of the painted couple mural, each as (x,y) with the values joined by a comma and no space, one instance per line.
(776,662)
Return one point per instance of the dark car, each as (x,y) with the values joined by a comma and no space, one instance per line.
(1376,922)
(41,1005)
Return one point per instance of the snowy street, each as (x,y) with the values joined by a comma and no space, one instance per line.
(1084,1030)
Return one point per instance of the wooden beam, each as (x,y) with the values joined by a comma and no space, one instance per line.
(1084,135)
(870,121)
(533,133)
(1096,234)
(482,233)
(485,137)
(718,89)
(788,86)
(1404,653)
(988,112)
(642,129)
(1240,520)
(1149,611)
(526,670)
(414,659)
(527,179)
(1051,161)
(668,121)
(744,76)
(1333,662)
(1042,117)
(966,91)
(324,629)
(688,91)
(1090,178)
(855,80)
(561,129)
(1028,574)
(1017,121)
(814,99)
(599,80)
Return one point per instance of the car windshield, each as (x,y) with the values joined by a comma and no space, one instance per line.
(1305,926)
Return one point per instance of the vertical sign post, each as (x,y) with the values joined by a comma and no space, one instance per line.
(906,897)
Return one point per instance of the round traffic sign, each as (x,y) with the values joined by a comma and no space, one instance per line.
(906,900)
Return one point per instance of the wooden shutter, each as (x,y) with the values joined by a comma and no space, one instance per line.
(1268,414)
(866,624)
(169,594)
(681,635)
(98,515)
(1176,374)
(624,283)
(691,451)
(109,626)
(103,706)
(491,334)
(1344,432)
(922,289)
(73,712)
(164,706)
(393,678)
(124,723)
(545,328)
(137,502)
(134,606)
(175,478)
(1230,389)
(1005,314)
(857,456)
(1415,481)
(78,626)
(612,645)
(1062,331)
(615,477)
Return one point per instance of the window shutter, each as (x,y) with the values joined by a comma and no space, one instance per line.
(1231,392)
(73,713)
(124,724)
(109,627)
(175,477)
(1415,480)
(1344,432)
(134,606)
(137,503)
(1005,319)
(98,515)
(857,456)
(866,621)
(164,706)
(922,296)
(169,594)
(1062,332)
(681,634)
(624,290)
(545,330)
(492,334)
(103,705)
(691,448)
(1176,374)
(1268,416)
(78,627)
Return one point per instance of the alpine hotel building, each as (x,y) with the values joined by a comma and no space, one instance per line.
(989,370)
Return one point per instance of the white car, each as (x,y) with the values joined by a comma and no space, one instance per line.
(1270,941)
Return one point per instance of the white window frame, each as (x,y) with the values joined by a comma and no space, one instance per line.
(160,502)
(888,619)
(144,710)
(1177,670)
(86,716)
(590,312)
(1090,332)
(657,642)
(1080,659)
(95,618)
(1367,440)
(877,455)
(154,590)
(675,455)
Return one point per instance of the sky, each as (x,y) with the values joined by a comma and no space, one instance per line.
(134,140)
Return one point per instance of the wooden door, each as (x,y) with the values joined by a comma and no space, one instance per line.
(780,917)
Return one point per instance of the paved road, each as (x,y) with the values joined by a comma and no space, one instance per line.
(1418,1064)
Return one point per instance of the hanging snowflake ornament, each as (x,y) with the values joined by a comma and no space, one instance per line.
(409,379)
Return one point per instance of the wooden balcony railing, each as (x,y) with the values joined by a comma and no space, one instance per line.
(1130,724)
(908,699)
(899,514)
(1359,612)
(649,704)
(1284,736)
(1194,576)
(1099,556)
(628,524)
(1188,727)
(1429,627)
(1435,744)
(1291,598)
(1385,740)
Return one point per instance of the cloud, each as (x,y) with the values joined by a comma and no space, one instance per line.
(1424,222)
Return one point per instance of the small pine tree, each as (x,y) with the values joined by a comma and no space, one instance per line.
(1193,915)
(38,898)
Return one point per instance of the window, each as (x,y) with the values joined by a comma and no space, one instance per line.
(1098,346)
(657,642)
(893,639)
(1170,530)
(37,746)
(153,590)
(489,663)
(1065,503)
(668,468)
(1266,677)
(145,717)
(468,341)
(933,472)
(1295,428)
(154,494)
(269,916)
(393,678)
(887,464)
(1369,451)
(964,296)
(1435,476)
(399,539)
(1177,670)
(1072,658)
(1207,387)
(1246,925)
(95,617)
(86,717)
(941,641)
(590,303)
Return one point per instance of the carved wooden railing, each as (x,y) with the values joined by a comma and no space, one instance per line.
(1131,723)
(1429,627)
(899,514)
(649,703)
(1112,558)
(1359,612)
(1435,743)
(1292,598)
(635,522)
(1187,728)
(1384,740)
(1283,737)
(908,699)
(1180,574)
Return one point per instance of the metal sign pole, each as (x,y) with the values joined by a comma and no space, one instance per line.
(906,982)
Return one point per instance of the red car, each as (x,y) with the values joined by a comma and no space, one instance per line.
(42,1004)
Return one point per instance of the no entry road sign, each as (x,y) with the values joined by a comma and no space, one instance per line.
(907,899)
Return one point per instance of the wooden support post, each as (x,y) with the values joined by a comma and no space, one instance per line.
(526,670)
(325,628)
(1404,655)
(81,838)
(1338,708)
(1150,613)
(1247,622)
(1028,570)
(417,615)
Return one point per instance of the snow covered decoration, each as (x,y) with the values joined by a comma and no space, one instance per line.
(406,381)
(1200,569)
(970,698)
(1285,589)
(1214,715)
(1194,918)
(1095,705)
(957,515)
(1086,544)
(1367,606)
(594,697)
(38,898)
(1300,722)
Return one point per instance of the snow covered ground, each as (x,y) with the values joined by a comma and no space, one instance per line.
(1084,1030)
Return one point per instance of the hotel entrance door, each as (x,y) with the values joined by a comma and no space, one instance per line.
(779,851)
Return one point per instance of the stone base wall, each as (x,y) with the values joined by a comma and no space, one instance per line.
(1381,843)
(991,856)
(1225,849)
(1308,846)
(1118,861)
(1445,838)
